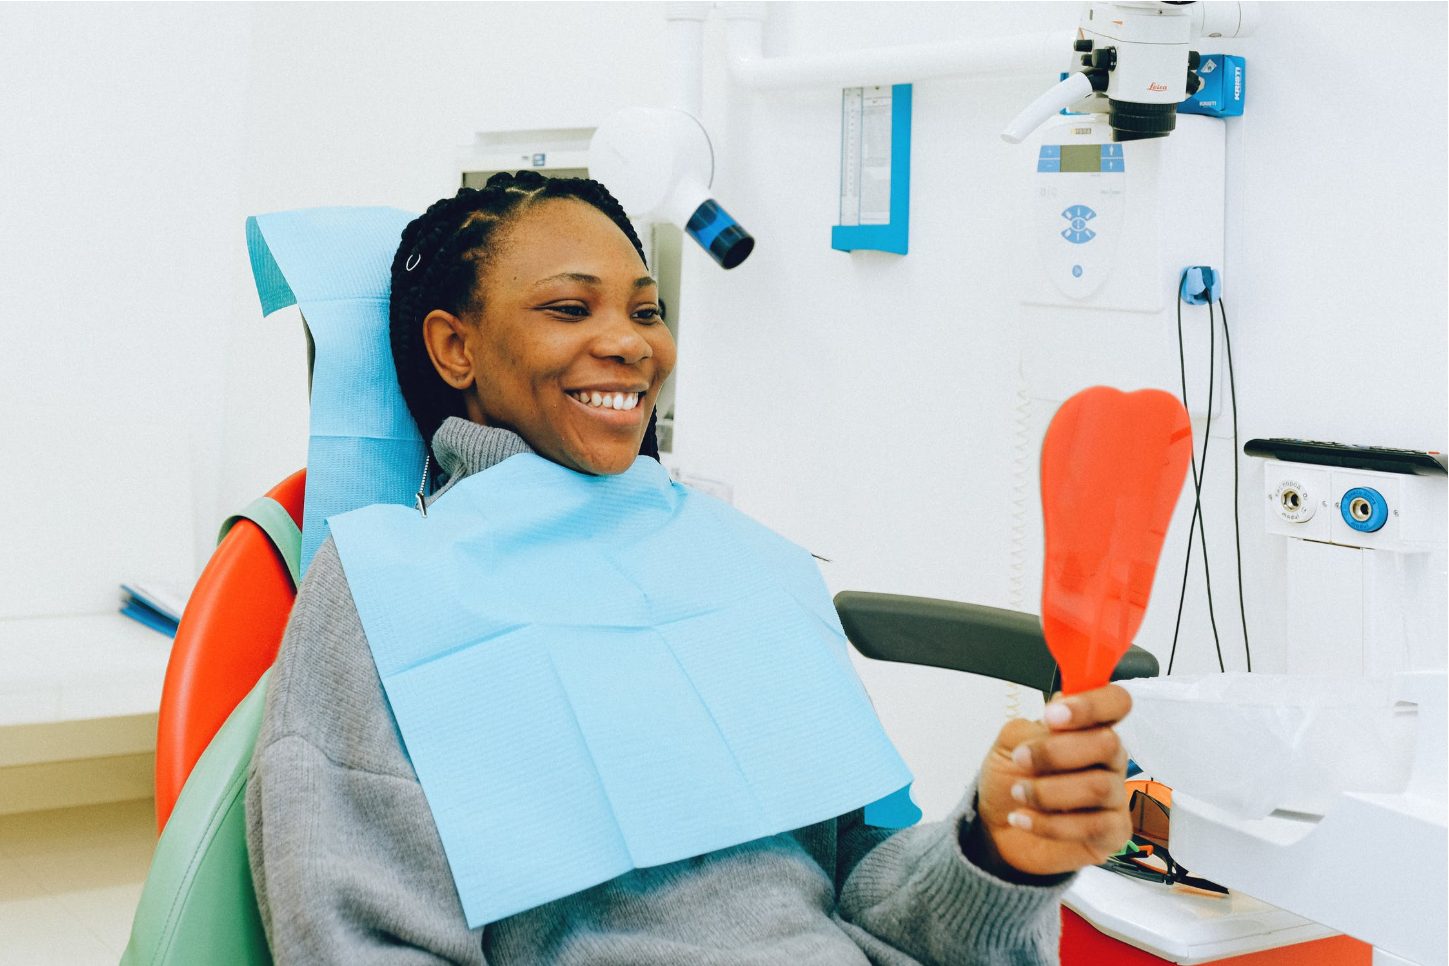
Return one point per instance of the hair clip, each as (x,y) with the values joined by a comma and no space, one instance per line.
(412,262)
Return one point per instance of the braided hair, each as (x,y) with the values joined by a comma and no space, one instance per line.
(437,266)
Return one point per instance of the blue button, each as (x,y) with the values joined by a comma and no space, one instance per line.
(1076,271)
(1078,237)
(1111,150)
(1113,164)
(1050,165)
(1050,151)
(1079,223)
(1079,211)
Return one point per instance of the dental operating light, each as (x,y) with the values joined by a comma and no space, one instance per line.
(659,164)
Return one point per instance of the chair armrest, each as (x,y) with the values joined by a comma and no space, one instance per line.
(1004,644)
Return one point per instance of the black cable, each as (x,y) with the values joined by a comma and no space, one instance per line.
(1187,560)
(1197,480)
(1237,523)
(1207,430)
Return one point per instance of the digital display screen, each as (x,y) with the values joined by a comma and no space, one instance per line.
(1081,157)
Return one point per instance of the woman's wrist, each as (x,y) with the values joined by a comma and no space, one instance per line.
(978,848)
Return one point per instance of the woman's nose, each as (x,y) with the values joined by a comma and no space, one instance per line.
(620,338)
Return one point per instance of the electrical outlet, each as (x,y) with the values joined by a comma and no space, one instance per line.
(1367,509)
(1298,500)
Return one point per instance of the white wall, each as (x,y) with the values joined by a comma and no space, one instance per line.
(861,404)
(864,404)
(118,257)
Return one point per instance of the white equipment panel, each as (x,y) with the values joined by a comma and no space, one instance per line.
(1111,227)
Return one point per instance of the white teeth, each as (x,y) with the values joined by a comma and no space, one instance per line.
(619,401)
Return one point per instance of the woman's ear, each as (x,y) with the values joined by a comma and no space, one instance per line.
(445,336)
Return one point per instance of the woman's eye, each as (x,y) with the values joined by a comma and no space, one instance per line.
(650,314)
(571,310)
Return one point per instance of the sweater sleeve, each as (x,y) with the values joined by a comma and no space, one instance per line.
(914,892)
(345,856)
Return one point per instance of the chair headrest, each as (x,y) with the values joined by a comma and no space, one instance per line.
(335,265)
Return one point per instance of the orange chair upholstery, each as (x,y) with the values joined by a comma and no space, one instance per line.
(228,637)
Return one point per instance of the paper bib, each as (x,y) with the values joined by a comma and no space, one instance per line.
(593,674)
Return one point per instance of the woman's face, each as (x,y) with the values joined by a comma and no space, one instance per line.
(569,350)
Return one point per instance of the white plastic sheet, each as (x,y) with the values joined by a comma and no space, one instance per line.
(1253,743)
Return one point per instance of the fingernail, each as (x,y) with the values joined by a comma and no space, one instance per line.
(1022,756)
(1019,820)
(1057,713)
(1018,792)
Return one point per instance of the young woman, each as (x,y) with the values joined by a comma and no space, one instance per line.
(524,320)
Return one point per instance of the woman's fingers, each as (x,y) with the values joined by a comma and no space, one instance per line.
(1070,751)
(1089,709)
(1102,831)
(1086,790)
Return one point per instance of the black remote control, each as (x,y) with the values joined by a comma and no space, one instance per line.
(1382,458)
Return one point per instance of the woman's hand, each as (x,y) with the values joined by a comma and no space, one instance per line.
(1050,798)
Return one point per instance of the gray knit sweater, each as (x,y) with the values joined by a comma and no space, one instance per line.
(349,869)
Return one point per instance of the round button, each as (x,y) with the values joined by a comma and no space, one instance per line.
(1079,223)
(1076,271)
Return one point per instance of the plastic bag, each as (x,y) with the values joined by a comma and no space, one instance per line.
(1253,743)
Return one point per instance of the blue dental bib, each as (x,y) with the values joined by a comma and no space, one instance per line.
(593,674)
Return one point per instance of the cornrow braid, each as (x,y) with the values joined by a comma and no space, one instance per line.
(436,267)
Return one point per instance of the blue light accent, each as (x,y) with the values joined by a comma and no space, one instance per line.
(708,221)
(895,236)
(719,234)
(1378,509)
(1076,271)
(1200,285)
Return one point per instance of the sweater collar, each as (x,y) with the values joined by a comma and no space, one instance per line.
(464,447)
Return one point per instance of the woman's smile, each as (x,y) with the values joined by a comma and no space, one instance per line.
(608,402)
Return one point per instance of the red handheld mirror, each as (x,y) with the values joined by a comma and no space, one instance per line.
(1112,466)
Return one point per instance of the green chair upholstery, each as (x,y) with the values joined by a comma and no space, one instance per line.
(198,905)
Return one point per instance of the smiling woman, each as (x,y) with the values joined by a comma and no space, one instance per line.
(528,306)
(563,338)
(577,714)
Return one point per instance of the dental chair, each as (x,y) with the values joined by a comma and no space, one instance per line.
(198,904)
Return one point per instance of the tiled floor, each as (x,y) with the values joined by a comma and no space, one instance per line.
(69,882)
